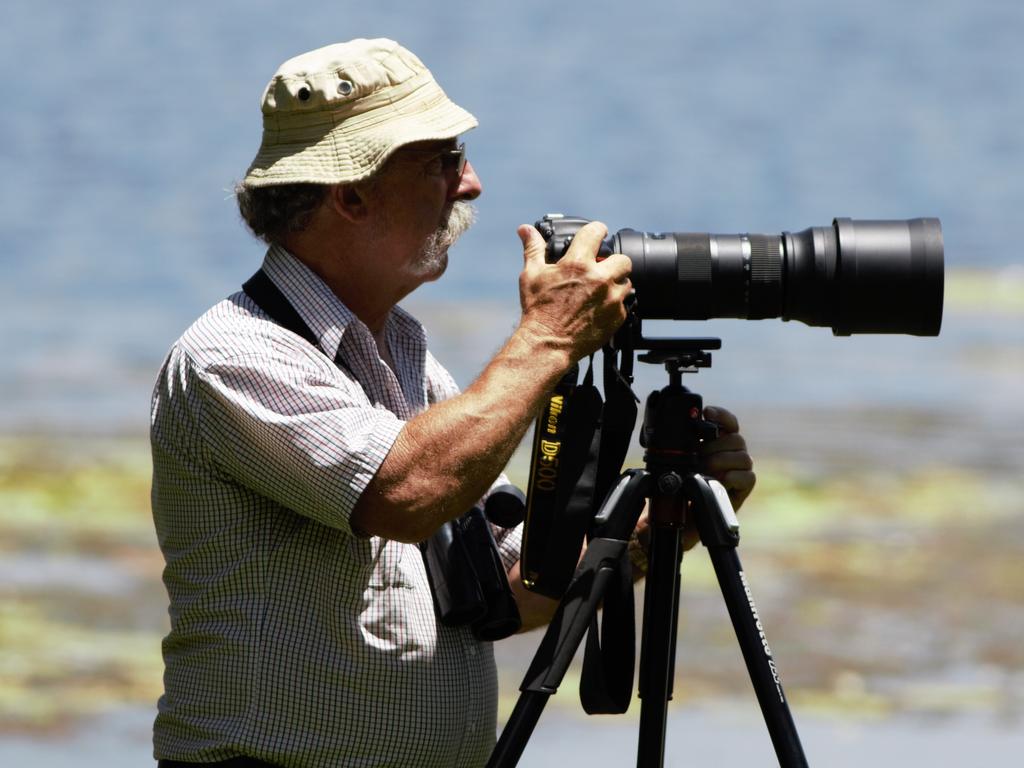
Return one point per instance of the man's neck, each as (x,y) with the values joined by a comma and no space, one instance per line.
(358,289)
(346,284)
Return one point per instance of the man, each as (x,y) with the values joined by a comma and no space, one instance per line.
(292,478)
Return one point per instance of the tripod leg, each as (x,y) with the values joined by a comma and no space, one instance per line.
(719,532)
(596,573)
(518,730)
(758,656)
(657,648)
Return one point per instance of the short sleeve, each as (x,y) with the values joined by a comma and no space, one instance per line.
(294,430)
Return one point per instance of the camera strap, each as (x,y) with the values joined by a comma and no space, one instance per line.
(618,418)
(580,444)
(606,686)
(559,506)
(268,297)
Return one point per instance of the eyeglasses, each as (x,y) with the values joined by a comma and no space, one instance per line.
(453,161)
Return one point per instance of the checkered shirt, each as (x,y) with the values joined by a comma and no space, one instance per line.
(292,639)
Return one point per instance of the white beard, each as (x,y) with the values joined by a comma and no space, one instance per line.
(433,256)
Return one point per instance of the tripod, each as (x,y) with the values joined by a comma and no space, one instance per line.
(679,494)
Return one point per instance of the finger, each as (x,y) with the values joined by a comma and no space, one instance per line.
(617,266)
(722,417)
(729,441)
(619,292)
(643,526)
(721,463)
(739,484)
(533,245)
(587,242)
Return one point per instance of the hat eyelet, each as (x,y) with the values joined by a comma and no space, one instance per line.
(304,93)
(345,87)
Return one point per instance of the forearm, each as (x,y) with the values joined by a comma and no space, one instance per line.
(445,458)
(535,610)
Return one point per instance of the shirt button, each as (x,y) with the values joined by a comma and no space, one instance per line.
(472,650)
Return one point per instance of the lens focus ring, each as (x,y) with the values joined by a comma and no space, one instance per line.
(765,298)
(694,273)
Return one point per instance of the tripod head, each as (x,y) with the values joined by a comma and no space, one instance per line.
(679,356)
(673,423)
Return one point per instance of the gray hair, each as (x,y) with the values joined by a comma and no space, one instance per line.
(276,211)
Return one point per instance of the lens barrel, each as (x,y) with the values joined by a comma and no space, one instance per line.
(855,276)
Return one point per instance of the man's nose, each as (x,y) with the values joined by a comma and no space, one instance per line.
(468,186)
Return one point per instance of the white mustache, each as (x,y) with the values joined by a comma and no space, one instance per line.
(460,218)
(433,255)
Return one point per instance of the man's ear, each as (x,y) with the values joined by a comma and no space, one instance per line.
(349,202)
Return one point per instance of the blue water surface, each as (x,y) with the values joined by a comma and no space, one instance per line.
(126,124)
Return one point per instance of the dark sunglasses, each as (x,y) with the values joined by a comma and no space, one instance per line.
(453,161)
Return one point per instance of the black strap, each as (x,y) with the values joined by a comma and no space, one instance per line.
(559,497)
(618,418)
(608,664)
(584,430)
(579,449)
(606,686)
(268,297)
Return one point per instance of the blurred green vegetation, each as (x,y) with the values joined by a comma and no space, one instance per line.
(70,646)
(880,592)
(68,492)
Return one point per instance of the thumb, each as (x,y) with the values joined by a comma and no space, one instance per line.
(533,245)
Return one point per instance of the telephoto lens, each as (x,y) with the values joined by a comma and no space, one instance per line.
(857,276)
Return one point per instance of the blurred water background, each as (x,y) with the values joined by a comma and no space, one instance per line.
(887,530)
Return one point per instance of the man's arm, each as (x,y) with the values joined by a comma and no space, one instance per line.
(444,459)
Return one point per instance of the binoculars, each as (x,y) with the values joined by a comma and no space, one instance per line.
(467,577)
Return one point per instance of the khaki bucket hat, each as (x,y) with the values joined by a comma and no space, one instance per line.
(334,115)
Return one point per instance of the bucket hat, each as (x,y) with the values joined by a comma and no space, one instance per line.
(334,115)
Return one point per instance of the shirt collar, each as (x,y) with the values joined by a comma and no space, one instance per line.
(325,314)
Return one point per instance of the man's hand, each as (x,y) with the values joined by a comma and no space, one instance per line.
(726,459)
(576,304)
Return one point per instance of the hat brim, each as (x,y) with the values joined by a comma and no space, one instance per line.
(346,148)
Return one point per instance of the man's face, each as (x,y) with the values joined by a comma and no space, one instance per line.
(423,202)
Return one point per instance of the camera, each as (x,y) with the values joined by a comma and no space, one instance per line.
(857,276)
